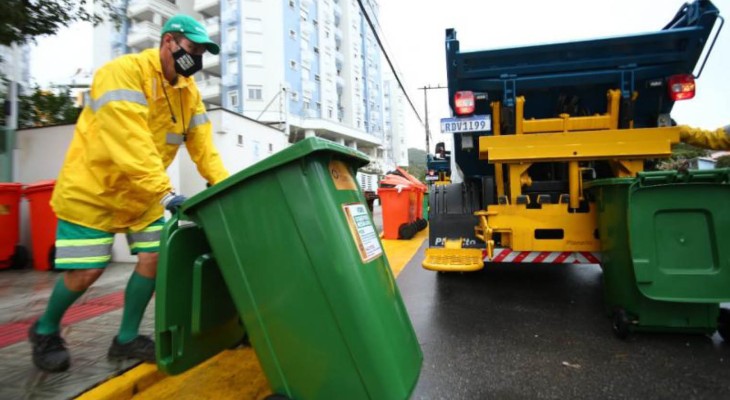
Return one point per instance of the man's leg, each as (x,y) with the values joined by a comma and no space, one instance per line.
(129,343)
(85,252)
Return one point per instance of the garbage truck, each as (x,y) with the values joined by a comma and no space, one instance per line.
(539,133)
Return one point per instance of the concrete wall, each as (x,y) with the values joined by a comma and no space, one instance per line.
(41,151)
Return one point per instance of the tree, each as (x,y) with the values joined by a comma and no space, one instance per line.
(43,108)
(417,163)
(21,21)
(723,162)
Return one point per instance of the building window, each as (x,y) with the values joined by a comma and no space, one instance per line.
(293,64)
(254,92)
(316,77)
(292,34)
(294,96)
(254,59)
(271,148)
(253,25)
(233,99)
(291,3)
(240,140)
(316,50)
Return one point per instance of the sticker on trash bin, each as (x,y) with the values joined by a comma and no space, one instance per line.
(341,176)
(363,232)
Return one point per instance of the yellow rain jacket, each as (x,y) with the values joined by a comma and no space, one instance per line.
(114,175)
(719,139)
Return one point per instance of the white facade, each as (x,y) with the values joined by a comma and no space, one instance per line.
(394,108)
(15,65)
(240,141)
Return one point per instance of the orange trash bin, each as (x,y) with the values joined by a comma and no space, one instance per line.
(399,207)
(43,223)
(10,222)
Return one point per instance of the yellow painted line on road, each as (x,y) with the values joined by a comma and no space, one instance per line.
(232,374)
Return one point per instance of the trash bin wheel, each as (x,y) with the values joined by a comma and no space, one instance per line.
(52,257)
(20,258)
(723,324)
(621,324)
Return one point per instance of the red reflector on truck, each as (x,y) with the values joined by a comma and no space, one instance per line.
(681,87)
(464,102)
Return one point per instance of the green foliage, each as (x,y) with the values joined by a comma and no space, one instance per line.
(43,108)
(21,21)
(723,162)
(417,163)
(682,153)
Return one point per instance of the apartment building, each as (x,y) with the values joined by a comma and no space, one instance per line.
(15,66)
(308,67)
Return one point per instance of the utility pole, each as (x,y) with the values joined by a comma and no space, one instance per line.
(425,106)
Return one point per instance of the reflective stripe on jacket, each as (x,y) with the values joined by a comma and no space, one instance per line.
(114,174)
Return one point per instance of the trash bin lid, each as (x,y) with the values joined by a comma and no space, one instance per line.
(10,187)
(46,184)
(292,153)
(679,227)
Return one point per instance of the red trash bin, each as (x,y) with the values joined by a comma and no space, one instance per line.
(43,223)
(10,222)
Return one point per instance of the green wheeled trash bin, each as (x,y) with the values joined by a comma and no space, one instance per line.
(195,317)
(664,239)
(306,270)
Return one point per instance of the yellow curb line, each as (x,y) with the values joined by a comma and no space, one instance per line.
(125,386)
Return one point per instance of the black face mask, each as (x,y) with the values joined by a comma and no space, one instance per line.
(186,64)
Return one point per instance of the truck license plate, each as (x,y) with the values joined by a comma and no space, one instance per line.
(475,123)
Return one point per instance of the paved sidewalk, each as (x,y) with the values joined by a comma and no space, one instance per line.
(89,327)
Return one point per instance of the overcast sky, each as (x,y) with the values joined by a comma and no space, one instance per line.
(413,31)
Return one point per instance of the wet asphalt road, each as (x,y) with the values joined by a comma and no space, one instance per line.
(539,332)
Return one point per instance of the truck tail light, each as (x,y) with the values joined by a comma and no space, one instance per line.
(464,102)
(681,87)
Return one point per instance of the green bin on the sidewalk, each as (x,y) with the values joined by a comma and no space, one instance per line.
(305,268)
(664,250)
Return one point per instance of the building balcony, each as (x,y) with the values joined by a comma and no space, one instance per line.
(229,15)
(143,35)
(209,8)
(230,80)
(311,113)
(151,10)
(339,59)
(308,88)
(230,46)
(212,63)
(307,58)
(213,26)
(210,90)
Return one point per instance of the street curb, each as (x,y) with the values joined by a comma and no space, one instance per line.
(125,386)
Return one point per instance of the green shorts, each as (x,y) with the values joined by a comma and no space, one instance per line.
(79,247)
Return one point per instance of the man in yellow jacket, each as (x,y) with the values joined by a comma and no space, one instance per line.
(140,109)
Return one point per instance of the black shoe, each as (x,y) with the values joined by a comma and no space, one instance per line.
(140,348)
(49,351)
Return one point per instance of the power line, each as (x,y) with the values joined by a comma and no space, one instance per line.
(385,53)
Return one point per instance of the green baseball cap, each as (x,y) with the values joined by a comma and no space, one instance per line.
(192,29)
